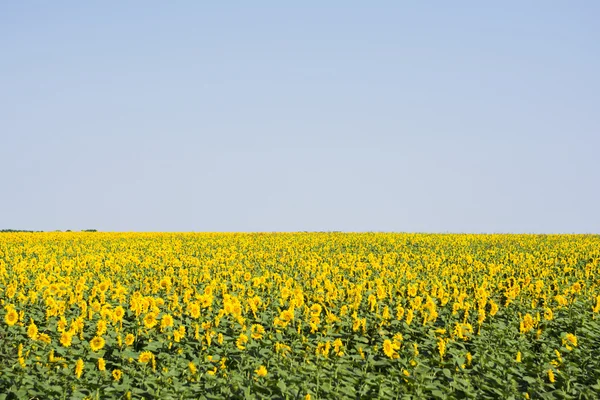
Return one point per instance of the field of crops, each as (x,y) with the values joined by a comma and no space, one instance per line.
(299,316)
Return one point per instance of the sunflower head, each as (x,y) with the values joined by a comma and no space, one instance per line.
(97,343)
(11,317)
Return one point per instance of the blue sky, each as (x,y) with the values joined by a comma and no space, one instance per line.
(268,116)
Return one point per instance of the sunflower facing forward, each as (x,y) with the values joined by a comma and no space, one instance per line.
(97,343)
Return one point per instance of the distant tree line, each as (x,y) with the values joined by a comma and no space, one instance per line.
(16,230)
(24,230)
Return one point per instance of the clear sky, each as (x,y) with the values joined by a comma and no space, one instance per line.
(266,116)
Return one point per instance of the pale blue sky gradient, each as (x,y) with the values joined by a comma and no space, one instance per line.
(267,116)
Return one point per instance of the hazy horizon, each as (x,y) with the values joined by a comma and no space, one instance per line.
(454,118)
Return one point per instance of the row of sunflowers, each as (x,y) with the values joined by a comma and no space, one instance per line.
(299,315)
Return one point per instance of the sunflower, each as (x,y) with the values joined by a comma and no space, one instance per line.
(337,346)
(316,309)
(261,371)
(44,338)
(101,364)
(241,341)
(101,327)
(194,310)
(166,321)
(66,339)
(389,348)
(570,340)
(551,377)
(11,317)
(117,374)
(192,368)
(257,331)
(150,320)
(287,315)
(145,357)
(527,323)
(129,339)
(103,287)
(32,331)
(79,368)
(119,313)
(97,343)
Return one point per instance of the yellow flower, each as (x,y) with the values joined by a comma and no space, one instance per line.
(129,339)
(527,323)
(316,309)
(101,327)
(337,347)
(119,313)
(261,371)
(409,316)
(32,331)
(150,320)
(97,343)
(569,341)
(287,315)
(442,347)
(389,348)
(518,357)
(66,338)
(11,317)
(166,321)
(101,364)
(399,312)
(62,324)
(117,374)
(415,349)
(177,336)
(361,352)
(79,368)
(42,337)
(493,308)
(192,368)
(194,310)
(257,331)
(558,356)
(241,341)
(145,357)
(412,290)
(551,377)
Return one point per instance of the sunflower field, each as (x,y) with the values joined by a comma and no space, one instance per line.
(299,315)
